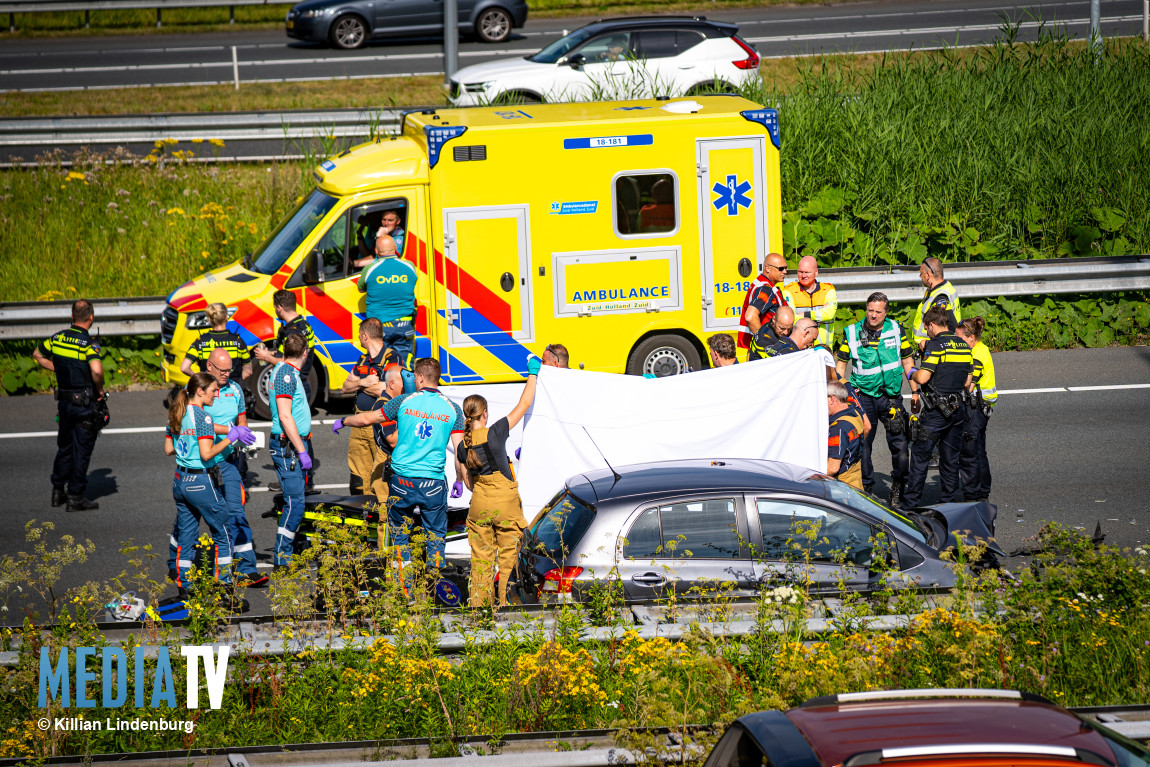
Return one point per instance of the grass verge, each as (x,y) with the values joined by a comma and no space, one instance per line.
(1072,628)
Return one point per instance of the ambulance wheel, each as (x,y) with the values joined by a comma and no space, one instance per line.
(260,384)
(493,25)
(348,32)
(664,356)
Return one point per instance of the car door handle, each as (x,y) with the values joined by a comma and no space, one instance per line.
(649,579)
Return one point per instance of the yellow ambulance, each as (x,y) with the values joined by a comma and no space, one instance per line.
(627,231)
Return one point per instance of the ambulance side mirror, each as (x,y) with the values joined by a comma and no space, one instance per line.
(312,270)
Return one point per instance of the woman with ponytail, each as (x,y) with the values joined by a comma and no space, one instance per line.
(495,521)
(191,438)
(974,465)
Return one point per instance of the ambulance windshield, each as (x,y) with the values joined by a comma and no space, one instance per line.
(561,47)
(275,250)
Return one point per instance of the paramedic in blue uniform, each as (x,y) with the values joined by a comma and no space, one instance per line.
(230,409)
(191,437)
(426,422)
(74,356)
(292,323)
(389,283)
(947,370)
(291,426)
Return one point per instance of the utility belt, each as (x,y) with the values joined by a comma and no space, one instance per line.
(80,397)
(945,404)
(212,471)
(975,401)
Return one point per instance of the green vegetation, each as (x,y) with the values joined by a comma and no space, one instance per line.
(1072,627)
(1015,151)
(127,360)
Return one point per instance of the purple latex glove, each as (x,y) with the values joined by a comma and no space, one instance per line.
(457,489)
(517,450)
(335,427)
(305,461)
(241,434)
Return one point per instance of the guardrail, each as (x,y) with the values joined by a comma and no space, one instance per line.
(71,6)
(137,316)
(41,132)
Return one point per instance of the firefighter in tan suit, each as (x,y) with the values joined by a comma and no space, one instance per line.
(495,522)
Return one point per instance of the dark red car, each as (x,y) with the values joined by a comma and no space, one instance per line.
(924,728)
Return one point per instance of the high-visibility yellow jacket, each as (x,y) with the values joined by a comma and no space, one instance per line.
(819,305)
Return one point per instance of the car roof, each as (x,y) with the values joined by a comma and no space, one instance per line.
(929,728)
(662,22)
(695,475)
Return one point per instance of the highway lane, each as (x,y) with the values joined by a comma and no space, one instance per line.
(112,62)
(1074,457)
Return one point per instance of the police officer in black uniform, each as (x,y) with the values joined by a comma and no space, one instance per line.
(947,368)
(74,356)
(219,337)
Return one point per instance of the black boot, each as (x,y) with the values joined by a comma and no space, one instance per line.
(80,503)
(59,497)
(896,489)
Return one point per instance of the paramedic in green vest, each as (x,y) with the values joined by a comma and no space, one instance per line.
(389,283)
(875,357)
(939,292)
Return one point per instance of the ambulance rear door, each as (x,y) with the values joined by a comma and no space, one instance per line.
(733,224)
(488,308)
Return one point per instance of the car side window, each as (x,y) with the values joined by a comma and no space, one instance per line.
(656,44)
(646,204)
(333,248)
(705,529)
(613,46)
(790,528)
(686,39)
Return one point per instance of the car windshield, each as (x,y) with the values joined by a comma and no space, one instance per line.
(275,250)
(561,527)
(561,47)
(849,496)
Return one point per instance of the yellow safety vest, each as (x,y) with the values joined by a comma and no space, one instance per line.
(984,373)
(819,306)
(945,288)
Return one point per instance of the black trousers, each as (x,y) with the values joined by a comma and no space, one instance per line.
(947,434)
(898,443)
(974,466)
(74,445)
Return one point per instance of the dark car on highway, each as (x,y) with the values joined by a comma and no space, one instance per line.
(350,23)
(689,525)
(924,728)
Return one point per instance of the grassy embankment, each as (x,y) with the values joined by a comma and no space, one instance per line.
(1073,628)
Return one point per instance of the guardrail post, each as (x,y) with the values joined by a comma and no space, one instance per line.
(1146,21)
(1096,28)
(159,18)
(231,14)
(450,40)
(236,67)
(87,20)
(11,22)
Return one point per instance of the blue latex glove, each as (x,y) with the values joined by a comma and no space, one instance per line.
(533,365)
(335,427)
(305,461)
(457,489)
(517,450)
(241,434)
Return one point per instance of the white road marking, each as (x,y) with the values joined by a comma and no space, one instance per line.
(329,421)
(317,487)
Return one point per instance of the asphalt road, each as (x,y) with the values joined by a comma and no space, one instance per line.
(1074,457)
(89,62)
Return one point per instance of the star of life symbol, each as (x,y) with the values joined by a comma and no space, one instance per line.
(732,195)
(423,431)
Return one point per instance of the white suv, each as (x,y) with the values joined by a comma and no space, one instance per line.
(616,59)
